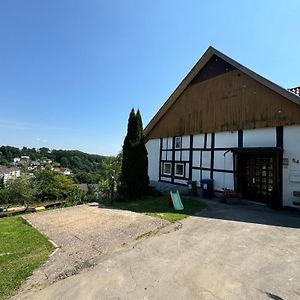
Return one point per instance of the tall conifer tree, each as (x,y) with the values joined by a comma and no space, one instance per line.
(134,177)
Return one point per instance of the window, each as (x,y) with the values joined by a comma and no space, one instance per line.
(178,142)
(167,169)
(179,169)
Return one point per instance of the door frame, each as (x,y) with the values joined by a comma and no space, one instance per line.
(239,172)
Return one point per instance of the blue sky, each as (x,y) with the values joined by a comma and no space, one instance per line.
(70,71)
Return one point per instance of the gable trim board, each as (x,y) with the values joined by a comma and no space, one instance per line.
(228,155)
(289,96)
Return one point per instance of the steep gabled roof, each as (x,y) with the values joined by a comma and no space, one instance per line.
(210,52)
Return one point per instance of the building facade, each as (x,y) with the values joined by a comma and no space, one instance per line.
(226,123)
(9,173)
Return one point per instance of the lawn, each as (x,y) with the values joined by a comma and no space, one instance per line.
(158,207)
(22,249)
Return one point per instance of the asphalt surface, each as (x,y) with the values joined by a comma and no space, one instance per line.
(227,252)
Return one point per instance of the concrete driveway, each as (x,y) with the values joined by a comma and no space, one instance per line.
(227,252)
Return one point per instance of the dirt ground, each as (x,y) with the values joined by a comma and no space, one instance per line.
(83,234)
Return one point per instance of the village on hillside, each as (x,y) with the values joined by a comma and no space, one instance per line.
(24,164)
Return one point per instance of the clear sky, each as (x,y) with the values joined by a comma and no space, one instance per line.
(70,71)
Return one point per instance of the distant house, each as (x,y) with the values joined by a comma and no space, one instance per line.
(35,163)
(63,171)
(25,157)
(17,160)
(295,90)
(9,173)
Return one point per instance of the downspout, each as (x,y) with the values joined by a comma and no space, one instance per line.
(224,168)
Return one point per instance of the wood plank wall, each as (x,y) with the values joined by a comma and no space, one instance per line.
(228,102)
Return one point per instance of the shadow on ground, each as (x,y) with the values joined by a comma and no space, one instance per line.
(245,211)
(251,212)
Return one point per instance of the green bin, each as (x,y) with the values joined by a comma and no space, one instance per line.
(192,187)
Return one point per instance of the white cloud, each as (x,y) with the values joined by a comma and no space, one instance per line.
(44,141)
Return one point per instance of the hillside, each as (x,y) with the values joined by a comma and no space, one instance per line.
(83,165)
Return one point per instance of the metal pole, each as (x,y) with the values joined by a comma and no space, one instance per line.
(112,187)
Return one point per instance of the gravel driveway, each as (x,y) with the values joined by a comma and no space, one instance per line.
(83,234)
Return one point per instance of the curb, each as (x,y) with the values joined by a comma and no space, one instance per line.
(52,242)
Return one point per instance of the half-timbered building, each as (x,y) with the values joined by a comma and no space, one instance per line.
(227,123)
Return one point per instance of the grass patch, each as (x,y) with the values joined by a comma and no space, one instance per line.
(22,249)
(158,207)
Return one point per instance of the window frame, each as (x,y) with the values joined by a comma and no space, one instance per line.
(164,164)
(183,169)
(176,139)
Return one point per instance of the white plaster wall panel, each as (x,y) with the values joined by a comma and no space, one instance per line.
(223,162)
(263,137)
(219,181)
(198,141)
(208,144)
(196,176)
(226,139)
(196,158)
(229,181)
(181,181)
(187,168)
(185,155)
(185,143)
(164,143)
(206,155)
(170,142)
(205,174)
(291,145)
(177,155)
(164,155)
(169,155)
(152,147)
(166,178)
(223,180)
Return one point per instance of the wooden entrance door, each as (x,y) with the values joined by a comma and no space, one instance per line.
(258,176)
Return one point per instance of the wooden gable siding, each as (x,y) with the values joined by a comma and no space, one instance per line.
(227,102)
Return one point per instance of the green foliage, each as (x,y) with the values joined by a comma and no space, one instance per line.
(53,186)
(20,190)
(4,162)
(76,196)
(1,182)
(134,172)
(4,196)
(112,164)
(84,177)
(8,152)
(46,185)
(45,182)
(77,161)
